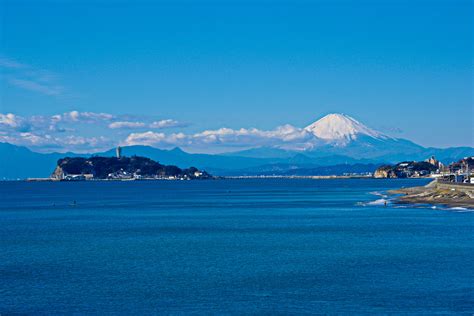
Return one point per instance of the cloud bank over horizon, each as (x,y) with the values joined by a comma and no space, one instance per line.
(286,136)
(91,132)
(74,130)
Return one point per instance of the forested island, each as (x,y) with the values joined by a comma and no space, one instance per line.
(121,168)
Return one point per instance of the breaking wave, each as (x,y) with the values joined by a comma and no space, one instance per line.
(378,202)
(461,209)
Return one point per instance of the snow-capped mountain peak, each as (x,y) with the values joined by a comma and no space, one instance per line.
(341,128)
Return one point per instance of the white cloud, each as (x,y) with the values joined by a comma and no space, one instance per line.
(52,123)
(166,124)
(85,117)
(253,136)
(13,122)
(47,142)
(9,119)
(125,124)
(146,138)
(34,139)
(286,136)
(162,124)
(153,139)
(71,131)
(54,133)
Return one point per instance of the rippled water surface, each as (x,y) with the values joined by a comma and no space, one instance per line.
(230,246)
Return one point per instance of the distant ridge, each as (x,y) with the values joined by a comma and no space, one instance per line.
(20,162)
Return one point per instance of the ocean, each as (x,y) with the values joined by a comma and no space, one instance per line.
(253,246)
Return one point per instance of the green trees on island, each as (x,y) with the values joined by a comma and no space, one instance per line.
(107,167)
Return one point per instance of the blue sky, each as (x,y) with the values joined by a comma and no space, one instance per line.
(402,67)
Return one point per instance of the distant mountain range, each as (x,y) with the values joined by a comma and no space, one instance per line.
(340,144)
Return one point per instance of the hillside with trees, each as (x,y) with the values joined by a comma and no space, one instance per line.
(134,167)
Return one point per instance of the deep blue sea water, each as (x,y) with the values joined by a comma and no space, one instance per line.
(230,247)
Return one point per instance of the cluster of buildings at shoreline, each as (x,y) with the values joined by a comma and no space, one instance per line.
(461,171)
(123,175)
(457,172)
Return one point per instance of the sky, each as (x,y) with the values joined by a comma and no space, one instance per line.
(213,76)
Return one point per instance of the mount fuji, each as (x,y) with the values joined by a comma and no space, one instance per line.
(341,129)
(343,136)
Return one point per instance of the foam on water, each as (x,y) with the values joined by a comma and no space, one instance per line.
(378,202)
(382,201)
(460,209)
(378,193)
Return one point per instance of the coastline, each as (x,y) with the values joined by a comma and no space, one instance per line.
(213,178)
(437,194)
